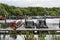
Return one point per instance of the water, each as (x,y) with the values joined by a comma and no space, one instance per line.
(21,37)
(52,23)
(7,37)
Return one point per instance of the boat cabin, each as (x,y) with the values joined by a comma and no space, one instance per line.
(29,24)
(41,24)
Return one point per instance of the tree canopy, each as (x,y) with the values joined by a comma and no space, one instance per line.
(31,11)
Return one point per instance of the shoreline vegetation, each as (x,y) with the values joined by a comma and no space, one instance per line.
(6,10)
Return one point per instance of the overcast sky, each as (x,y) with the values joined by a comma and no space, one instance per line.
(27,3)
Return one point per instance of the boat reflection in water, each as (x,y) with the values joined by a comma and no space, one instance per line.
(12,37)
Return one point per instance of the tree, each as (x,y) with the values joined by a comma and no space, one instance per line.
(31,11)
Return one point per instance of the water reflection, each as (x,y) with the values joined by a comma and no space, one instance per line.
(21,37)
(12,37)
(15,37)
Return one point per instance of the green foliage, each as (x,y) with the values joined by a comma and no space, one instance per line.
(6,10)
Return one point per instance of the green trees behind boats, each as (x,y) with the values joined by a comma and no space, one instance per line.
(31,11)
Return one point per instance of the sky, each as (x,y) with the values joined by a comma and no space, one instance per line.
(29,3)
